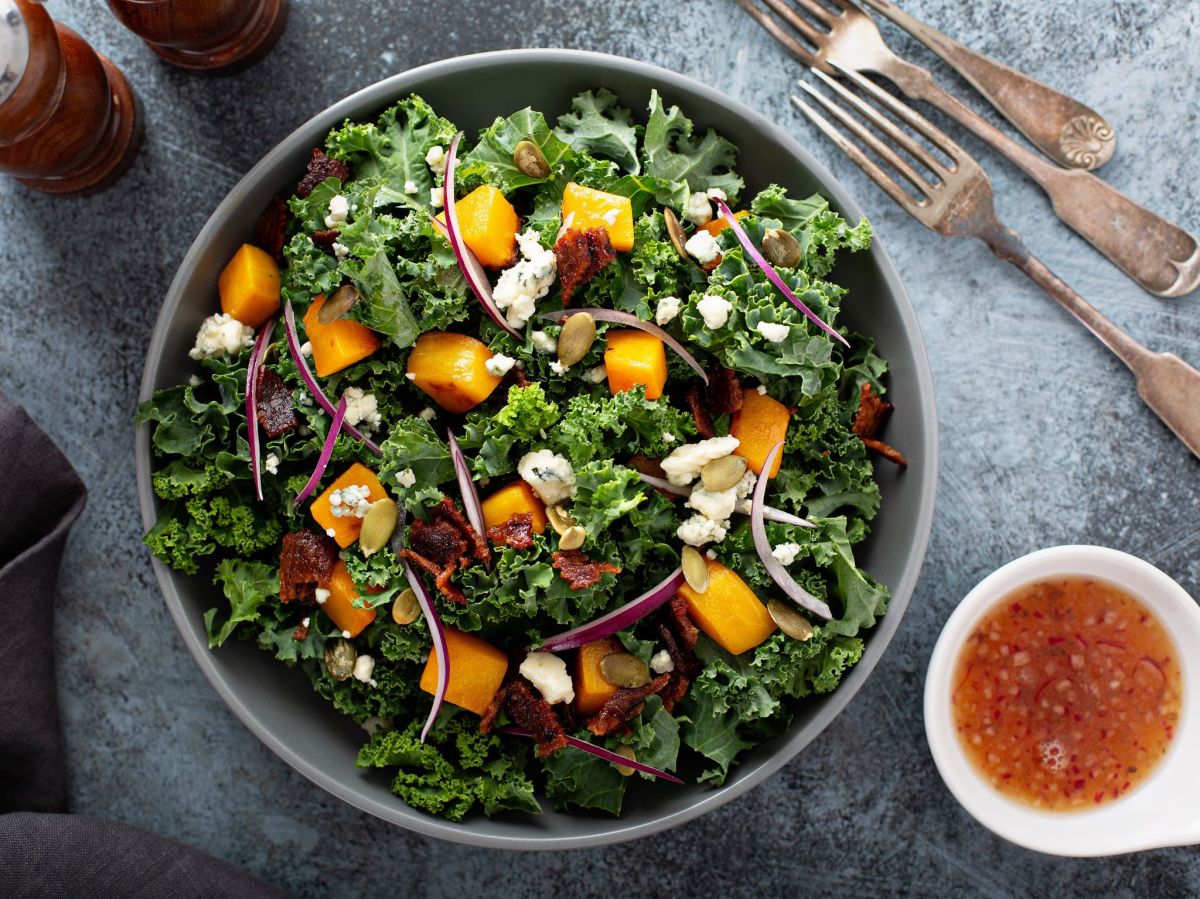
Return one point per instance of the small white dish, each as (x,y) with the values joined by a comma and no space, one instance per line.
(1165,809)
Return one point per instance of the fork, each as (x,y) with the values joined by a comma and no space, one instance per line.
(1161,257)
(959,204)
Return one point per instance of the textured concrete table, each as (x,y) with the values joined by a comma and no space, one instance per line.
(1043,441)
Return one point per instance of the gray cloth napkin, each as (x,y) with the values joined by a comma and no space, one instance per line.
(44,852)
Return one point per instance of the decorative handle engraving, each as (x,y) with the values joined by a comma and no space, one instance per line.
(1087,141)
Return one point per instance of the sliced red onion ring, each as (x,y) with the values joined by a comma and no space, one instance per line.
(664,484)
(306,375)
(466,486)
(753,252)
(626,318)
(769,513)
(476,277)
(252,369)
(601,753)
(335,427)
(618,619)
(440,649)
(774,567)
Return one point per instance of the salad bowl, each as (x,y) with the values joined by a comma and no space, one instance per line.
(278,705)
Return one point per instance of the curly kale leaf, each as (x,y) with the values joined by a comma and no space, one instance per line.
(413,444)
(603,427)
(578,780)
(247,585)
(606,492)
(185,425)
(712,733)
(820,231)
(494,436)
(671,153)
(655,737)
(491,160)
(598,125)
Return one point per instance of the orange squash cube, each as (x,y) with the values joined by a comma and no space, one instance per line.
(452,369)
(488,225)
(477,669)
(249,286)
(586,208)
(760,424)
(718,224)
(728,611)
(512,500)
(340,605)
(345,529)
(632,358)
(591,689)
(338,344)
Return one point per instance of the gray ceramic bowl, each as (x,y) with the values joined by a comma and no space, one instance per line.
(276,703)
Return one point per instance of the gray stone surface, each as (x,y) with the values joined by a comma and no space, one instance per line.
(1043,441)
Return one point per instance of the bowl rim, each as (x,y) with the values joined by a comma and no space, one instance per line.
(752,772)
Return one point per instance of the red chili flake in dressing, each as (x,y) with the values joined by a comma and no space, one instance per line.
(1068,694)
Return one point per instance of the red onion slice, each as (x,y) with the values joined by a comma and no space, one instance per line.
(466,486)
(626,318)
(769,513)
(768,270)
(618,619)
(440,649)
(664,484)
(326,452)
(306,375)
(599,752)
(252,369)
(774,567)
(476,277)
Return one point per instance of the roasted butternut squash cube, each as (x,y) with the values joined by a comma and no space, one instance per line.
(452,369)
(718,224)
(591,689)
(477,670)
(728,611)
(760,424)
(249,286)
(340,605)
(488,225)
(338,344)
(635,357)
(586,208)
(344,529)
(512,500)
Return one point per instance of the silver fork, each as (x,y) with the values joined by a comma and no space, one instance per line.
(1160,256)
(959,204)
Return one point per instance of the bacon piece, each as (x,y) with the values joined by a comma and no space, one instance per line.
(488,719)
(444,544)
(517,532)
(869,418)
(300,634)
(321,167)
(694,398)
(681,622)
(624,705)
(536,715)
(711,266)
(448,512)
(888,452)
(724,390)
(273,406)
(305,563)
(519,377)
(439,542)
(686,664)
(441,575)
(324,239)
(578,570)
(581,255)
(270,230)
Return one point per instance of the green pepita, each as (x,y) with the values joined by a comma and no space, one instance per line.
(560,519)
(625,751)
(406,609)
(338,304)
(622,669)
(378,525)
(340,656)
(572,538)
(576,338)
(721,474)
(675,232)
(528,157)
(789,619)
(781,248)
(695,569)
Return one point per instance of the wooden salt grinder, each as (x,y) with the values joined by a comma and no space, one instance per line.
(68,120)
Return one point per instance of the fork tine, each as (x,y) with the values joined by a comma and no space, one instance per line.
(883,123)
(867,137)
(889,186)
(817,11)
(801,52)
(811,34)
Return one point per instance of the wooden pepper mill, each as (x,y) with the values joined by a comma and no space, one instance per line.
(211,36)
(68,120)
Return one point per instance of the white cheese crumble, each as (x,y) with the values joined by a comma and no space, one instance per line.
(410,187)
(717,506)
(522,285)
(597,375)
(773,332)
(436,160)
(339,208)
(667,309)
(340,250)
(698,530)
(406,478)
(549,474)
(661,663)
(375,724)
(711,554)
(362,409)
(716,193)
(557,367)
(699,209)
(684,464)
(786,552)
(548,673)
(364,667)
(322,594)
(436,197)
(306,348)
(498,366)
(762,389)
(714,310)
(427,414)
(307,620)
(330,532)
(221,335)
(352,501)
(271,463)
(543,342)
(668,437)
(411,375)
(195,380)
(702,246)
(346,634)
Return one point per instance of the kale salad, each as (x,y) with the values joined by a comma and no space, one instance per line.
(541,455)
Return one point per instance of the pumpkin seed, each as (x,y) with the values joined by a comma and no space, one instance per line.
(528,157)
(572,538)
(576,338)
(790,621)
(695,569)
(781,248)
(675,232)
(340,656)
(406,609)
(625,751)
(721,474)
(560,519)
(338,305)
(378,525)
(624,670)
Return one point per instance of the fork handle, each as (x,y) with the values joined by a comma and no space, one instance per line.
(1070,133)
(1167,384)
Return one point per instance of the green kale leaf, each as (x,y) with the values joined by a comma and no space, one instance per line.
(598,125)
(671,153)
(247,585)
(491,161)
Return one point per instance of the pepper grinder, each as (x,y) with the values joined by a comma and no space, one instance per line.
(68,120)
(212,36)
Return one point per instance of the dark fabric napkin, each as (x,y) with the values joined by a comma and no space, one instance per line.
(44,852)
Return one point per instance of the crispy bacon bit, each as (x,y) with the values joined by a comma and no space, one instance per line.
(300,634)
(488,719)
(274,404)
(324,239)
(581,255)
(675,628)
(724,390)
(694,398)
(681,622)
(438,541)
(270,230)
(305,563)
(321,167)
(444,544)
(872,413)
(624,705)
(578,570)
(517,532)
(441,575)
(536,715)
(519,377)
(448,512)
(709,267)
